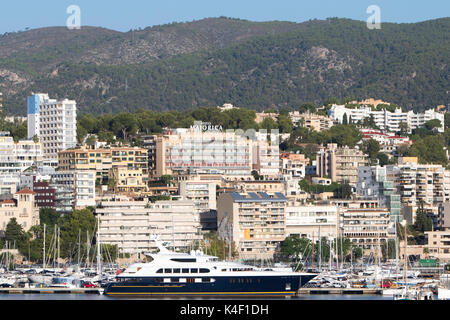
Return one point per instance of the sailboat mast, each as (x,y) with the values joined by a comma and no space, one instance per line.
(43,258)
(59,252)
(98,245)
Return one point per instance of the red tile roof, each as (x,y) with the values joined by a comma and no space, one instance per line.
(25,191)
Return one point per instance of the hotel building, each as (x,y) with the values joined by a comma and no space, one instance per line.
(205,149)
(54,122)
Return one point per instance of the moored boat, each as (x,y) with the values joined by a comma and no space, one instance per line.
(196,274)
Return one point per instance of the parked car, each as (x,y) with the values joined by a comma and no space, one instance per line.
(89,285)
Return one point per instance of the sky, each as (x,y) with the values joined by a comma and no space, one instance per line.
(124,15)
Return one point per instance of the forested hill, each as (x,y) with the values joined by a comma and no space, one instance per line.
(257,65)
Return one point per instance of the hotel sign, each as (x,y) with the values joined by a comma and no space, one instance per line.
(206,127)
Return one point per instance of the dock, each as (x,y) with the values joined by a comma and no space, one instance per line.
(51,290)
(339,291)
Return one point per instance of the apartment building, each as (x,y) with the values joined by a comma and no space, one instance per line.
(54,122)
(128,166)
(201,192)
(312,221)
(266,153)
(22,207)
(254,221)
(261,116)
(74,189)
(418,184)
(311,121)
(386,120)
(444,216)
(373,183)
(438,244)
(340,163)
(293,164)
(131,224)
(366,228)
(16,157)
(389,142)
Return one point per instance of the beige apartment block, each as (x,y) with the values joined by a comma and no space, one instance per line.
(21,207)
(255,222)
(311,121)
(132,162)
(367,228)
(340,163)
(131,224)
(439,244)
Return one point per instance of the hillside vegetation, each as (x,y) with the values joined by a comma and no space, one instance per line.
(256,65)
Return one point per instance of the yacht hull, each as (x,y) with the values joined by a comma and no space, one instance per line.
(264,285)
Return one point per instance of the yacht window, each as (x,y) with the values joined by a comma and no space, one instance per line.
(194,270)
(204,270)
(159,271)
(206,280)
(167,270)
(184,260)
(176,270)
(174,280)
(185,270)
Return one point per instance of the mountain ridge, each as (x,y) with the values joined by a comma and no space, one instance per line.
(216,60)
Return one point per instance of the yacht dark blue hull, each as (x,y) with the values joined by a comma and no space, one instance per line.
(267,285)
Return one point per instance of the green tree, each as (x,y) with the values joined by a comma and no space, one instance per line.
(293,247)
(14,231)
(73,224)
(269,124)
(371,147)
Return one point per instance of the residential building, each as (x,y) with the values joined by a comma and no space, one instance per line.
(418,184)
(16,157)
(311,121)
(389,142)
(131,224)
(22,207)
(201,192)
(261,116)
(312,221)
(384,119)
(266,153)
(366,228)
(340,163)
(128,166)
(54,122)
(293,164)
(74,189)
(438,244)
(255,222)
(444,216)
(374,184)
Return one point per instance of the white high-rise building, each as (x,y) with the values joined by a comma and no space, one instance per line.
(54,122)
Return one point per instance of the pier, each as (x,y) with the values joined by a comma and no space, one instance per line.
(339,291)
(51,290)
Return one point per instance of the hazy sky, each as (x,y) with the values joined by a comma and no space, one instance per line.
(121,15)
